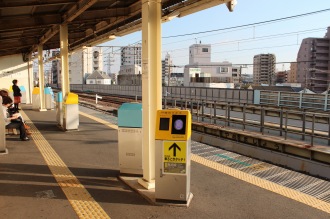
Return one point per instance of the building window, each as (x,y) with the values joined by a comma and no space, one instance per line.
(223,69)
(205,50)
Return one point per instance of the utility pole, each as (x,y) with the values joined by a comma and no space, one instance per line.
(169,75)
(240,73)
(82,66)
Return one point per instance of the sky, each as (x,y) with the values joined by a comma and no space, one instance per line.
(254,27)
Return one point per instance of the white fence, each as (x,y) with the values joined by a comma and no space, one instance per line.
(270,98)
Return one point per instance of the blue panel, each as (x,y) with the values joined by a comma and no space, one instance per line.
(48,90)
(130,115)
(59,97)
(22,88)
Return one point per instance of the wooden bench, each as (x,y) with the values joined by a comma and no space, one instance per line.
(3,149)
(11,131)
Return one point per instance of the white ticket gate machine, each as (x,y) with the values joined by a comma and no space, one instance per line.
(173,149)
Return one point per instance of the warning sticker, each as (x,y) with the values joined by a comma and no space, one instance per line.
(174,156)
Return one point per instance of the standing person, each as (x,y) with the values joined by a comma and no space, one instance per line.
(17,94)
(13,121)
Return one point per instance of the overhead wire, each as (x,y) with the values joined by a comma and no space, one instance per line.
(237,28)
(252,24)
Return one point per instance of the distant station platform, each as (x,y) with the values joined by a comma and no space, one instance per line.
(75,174)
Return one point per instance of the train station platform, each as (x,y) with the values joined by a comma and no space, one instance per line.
(75,174)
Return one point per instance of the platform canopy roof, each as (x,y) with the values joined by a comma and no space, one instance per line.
(24,24)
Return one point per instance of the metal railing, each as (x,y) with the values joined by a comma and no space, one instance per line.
(291,99)
(240,96)
(219,94)
(311,127)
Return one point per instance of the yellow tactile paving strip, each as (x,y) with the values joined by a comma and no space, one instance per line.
(287,192)
(80,199)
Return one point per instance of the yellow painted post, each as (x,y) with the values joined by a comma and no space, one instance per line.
(151,85)
(64,59)
(41,78)
(64,65)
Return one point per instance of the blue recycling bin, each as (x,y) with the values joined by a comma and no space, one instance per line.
(49,98)
(59,107)
(130,138)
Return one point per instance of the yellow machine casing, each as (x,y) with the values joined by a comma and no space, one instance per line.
(173,124)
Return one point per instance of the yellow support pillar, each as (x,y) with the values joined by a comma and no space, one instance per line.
(64,60)
(151,85)
(41,78)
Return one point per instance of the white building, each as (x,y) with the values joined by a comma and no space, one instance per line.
(50,65)
(113,77)
(129,75)
(131,55)
(167,70)
(98,77)
(236,74)
(83,63)
(202,72)
(130,69)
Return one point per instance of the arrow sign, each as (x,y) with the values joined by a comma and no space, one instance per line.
(174,147)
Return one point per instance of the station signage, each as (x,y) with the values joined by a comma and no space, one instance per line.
(174,157)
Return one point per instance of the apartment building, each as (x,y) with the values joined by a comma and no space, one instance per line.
(292,74)
(281,77)
(264,69)
(167,69)
(313,65)
(131,55)
(201,70)
(83,63)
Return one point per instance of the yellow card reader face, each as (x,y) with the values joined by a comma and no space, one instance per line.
(173,124)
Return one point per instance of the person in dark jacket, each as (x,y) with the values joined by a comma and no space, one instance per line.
(14,120)
(17,94)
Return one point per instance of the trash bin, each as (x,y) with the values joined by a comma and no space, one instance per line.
(71,112)
(49,98)
(36,98)
(59,107)
(130,138)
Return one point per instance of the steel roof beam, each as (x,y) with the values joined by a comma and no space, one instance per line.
(72,13)
(28,22)
(34,3)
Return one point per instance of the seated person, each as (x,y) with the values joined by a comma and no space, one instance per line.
(12,110)
(14,120)
(3,93)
